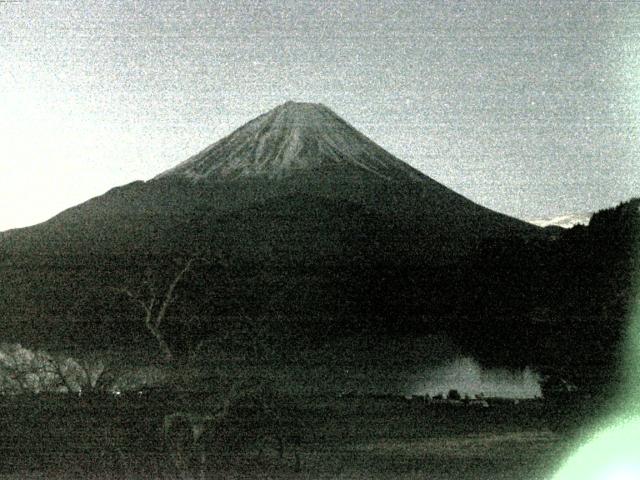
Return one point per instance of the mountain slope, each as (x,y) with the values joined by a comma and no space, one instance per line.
(295,149)
(291,138)
(298,204)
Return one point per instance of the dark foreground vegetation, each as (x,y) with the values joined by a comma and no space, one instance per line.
(125,437)
(559,298)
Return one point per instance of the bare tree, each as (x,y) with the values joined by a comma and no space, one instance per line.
(88,373)
(62,370)
(155,303)
(97,375)
(249,416)
(33,371)
(17,369)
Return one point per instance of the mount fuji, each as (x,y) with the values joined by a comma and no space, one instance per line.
(309,215)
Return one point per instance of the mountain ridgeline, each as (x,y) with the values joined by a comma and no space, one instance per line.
(304,225)
(298,169)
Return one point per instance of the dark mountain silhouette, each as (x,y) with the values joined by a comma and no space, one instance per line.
(564,304)
(313,222)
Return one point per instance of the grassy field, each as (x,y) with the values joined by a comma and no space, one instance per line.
(324,438)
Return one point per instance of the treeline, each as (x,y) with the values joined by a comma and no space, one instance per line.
(564,301)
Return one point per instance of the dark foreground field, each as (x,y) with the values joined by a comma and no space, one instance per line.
(323,438)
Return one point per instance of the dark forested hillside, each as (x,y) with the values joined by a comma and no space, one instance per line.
(560,300)
(294,215)
(563,302)
(308,232)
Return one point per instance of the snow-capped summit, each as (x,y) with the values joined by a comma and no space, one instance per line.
(293,137)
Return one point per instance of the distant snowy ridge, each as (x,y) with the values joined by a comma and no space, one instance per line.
(564,221)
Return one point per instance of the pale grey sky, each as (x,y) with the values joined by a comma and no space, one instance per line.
(529,108)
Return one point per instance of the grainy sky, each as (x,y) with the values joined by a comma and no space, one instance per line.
(529,108)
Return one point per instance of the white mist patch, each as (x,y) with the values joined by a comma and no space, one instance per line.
(467,377)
